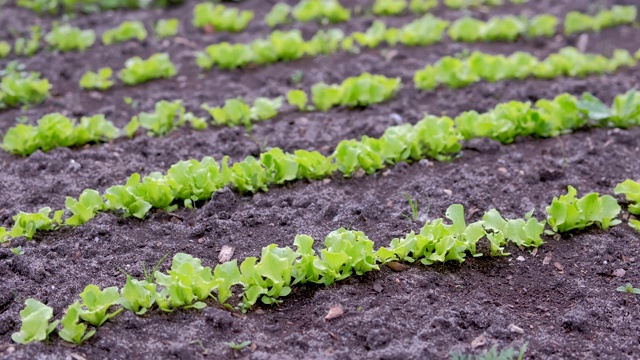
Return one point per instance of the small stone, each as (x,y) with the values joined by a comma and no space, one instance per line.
(478,342)
(396,266)
(334,312)
(447,191)
(520,258)
(619,272)
(502,170)
(326,181)
(515,329)
(225,254)
(558,266)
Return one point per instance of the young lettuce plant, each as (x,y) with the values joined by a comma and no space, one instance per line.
(631,191)
(568,213)
(137,71)
(5,49)
(197,180)
(186,284)
(67,38)
(138,295)
(166,28)
(297,98)
(95,304)
(126,31)
(29,47)
(167,117)
(100,80)
(123,198)
(85,208)
(389,7)
(27,224)
(35,326)
(234,112)
(21,88)
(278,15)
(220,18)
(425,31)
(268,279)
(224,56)
(321,10)
(422,6)
(72,331)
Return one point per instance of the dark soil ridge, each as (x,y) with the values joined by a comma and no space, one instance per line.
(570,309)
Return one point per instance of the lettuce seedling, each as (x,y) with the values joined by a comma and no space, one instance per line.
(138,296)
(234,112)
(225,56)
(313,165)
(522,232)
(5,49)
(389,7)
(186,284)
(321,10)
(425,31)
(297,98)
(35,322)
(286,45)
(324,42)
(438,137)
(268,279)
(85,208)
(67,38)
(21,88)
(624,113)
(4,234)
(123,197)
(345,252)
(569,213)
(220,18)
(137,71)
(325,96)
(278,15)
(249,176)
(631,191)
(374,35)
(96,303)
(126,31)
(31,46)
(265,108)
(166,28)
(226,275)
(27,224)
(280,167)
(542,26)
(100,80)
(422,6)
(368,89)
(72,331)
(157,190)
(352,155)
(197,180)
(168,116)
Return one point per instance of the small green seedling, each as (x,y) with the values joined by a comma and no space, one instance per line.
(17,251)
(628,289)
(413,204)
(239,346)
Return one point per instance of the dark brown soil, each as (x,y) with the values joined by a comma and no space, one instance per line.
(421,313)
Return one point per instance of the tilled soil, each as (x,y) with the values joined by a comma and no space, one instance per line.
(562,296)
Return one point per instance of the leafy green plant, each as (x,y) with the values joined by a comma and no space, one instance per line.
(72,331)
(297,98)
(167,117)
(26,224)
(373,37)
(126,31)
(265,108)
(422,32)
(278,15)
(89,203)
(67,38)
(624,112)
(269,278)
(628,289)
(494,354)
(507,28)
(569,213)
(28,47)
(100,80)
(576,21)
(186,284)
(166,28)
(389,7)
(5,49)
(35,319)
(422,6)
(220,18)
(631,191)
(413,205)
(225,56)
(138,295)
(56,130)
(96,303)
(234,112)
(137,71)
(542,26)
(21,88)
(321,10)
(17,251)
(124,198)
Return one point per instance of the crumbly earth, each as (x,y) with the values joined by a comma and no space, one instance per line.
(562,296)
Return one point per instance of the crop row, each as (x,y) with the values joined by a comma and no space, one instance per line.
(56,130)
(191,181)
(69,38)
(271,277)
(428,30)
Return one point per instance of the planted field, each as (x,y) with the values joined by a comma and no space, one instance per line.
(379,179)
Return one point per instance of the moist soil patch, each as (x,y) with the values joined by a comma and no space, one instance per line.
(560,299)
